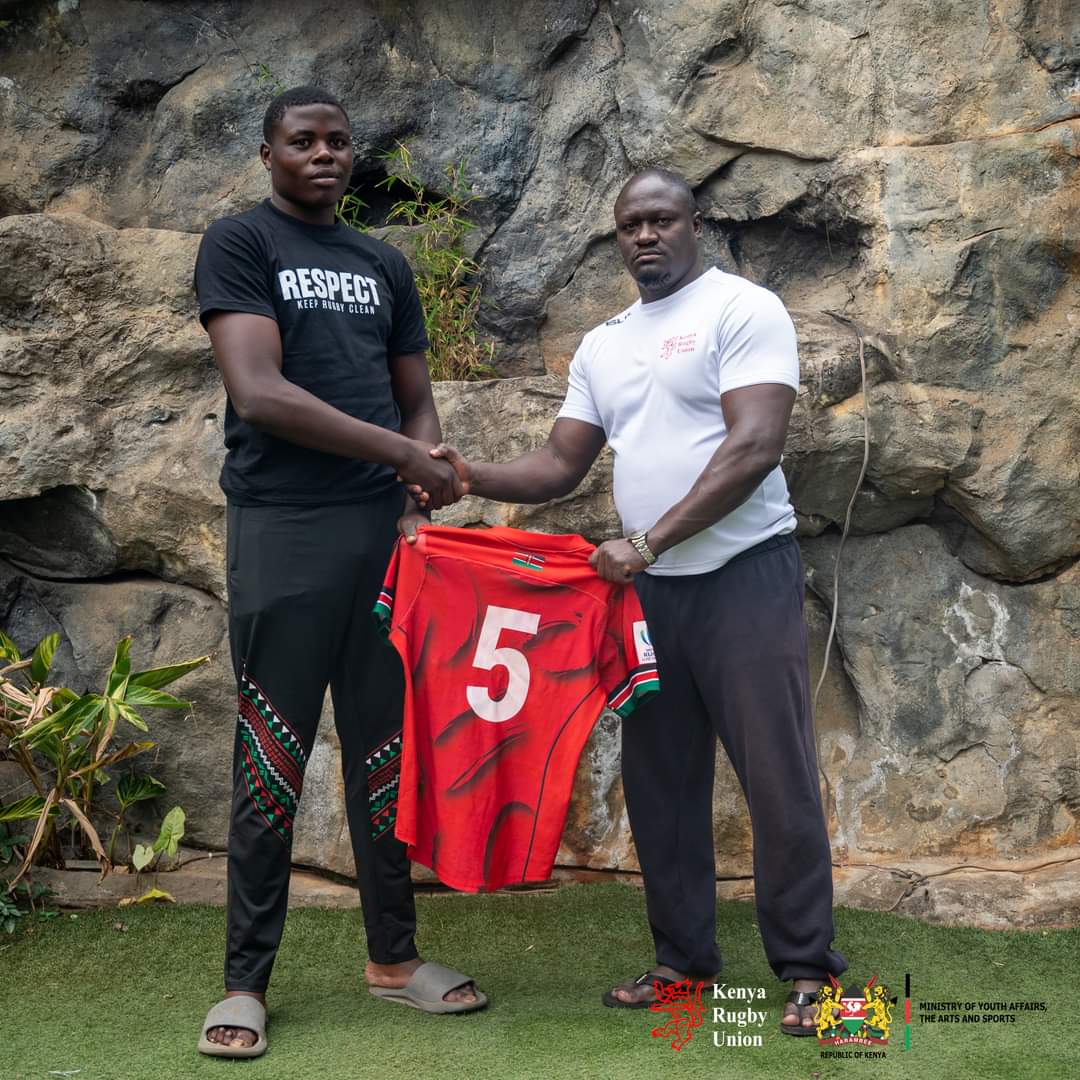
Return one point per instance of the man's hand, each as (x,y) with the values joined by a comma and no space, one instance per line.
(461,468)
(433,483)
(412,517)
(458,463)
(617,561)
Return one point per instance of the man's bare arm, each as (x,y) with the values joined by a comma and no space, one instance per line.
(757,422)
(549,472)
(411,386)
(248,352)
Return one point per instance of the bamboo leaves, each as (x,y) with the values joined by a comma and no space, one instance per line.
(8,651)
(155,678)
(28,809)
(41,661)
(447,279)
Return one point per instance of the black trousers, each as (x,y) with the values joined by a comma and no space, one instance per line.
(731,653)
(302,583)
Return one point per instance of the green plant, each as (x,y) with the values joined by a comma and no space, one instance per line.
(264,76)
(132,789)
(350,211)
(11,893)
(9,912)
(167,842)
(64,741)
(9,844)
(259,70)
(33,892)
(9,850)
(446,277)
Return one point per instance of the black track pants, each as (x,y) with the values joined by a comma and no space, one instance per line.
(302,583)
(731,653)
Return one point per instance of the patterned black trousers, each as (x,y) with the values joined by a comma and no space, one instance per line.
(302,583)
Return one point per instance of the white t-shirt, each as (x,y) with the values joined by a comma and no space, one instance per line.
(652,379)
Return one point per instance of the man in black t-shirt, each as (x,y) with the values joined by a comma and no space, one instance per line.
(319,335)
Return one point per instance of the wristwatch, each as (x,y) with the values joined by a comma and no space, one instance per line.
(642,547)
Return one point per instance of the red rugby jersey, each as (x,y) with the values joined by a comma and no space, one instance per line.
(512,645)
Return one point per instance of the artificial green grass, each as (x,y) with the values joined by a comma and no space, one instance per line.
(79,994)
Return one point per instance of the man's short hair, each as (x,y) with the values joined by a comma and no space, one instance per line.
(298,95)
(669,177)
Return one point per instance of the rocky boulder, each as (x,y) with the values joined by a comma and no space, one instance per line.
(905,179)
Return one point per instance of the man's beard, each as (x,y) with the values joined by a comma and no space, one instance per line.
(650,278)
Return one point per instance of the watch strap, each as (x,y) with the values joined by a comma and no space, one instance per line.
(641,546)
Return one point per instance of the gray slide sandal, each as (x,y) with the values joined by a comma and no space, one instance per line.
(236,1012)
(425,990)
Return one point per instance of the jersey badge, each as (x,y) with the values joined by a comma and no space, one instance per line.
(646,654)
(530,562)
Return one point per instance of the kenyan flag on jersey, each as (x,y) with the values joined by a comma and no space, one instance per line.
(382,609)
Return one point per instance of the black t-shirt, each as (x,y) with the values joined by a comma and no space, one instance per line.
(345,303)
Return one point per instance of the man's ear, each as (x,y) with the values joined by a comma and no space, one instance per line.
(699,222)
(264,154)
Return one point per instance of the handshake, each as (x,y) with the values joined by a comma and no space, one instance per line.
(435,476)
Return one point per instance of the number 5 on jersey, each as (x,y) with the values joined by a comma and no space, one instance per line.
(489,654)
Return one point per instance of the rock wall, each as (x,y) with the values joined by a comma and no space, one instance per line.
(904,173)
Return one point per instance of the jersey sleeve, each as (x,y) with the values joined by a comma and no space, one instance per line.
(627,659)
(757,343)
(383,611)
(232,272)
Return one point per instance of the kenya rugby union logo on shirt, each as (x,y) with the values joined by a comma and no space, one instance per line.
(680,343)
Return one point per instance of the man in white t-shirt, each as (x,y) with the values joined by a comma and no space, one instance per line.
(692,387)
